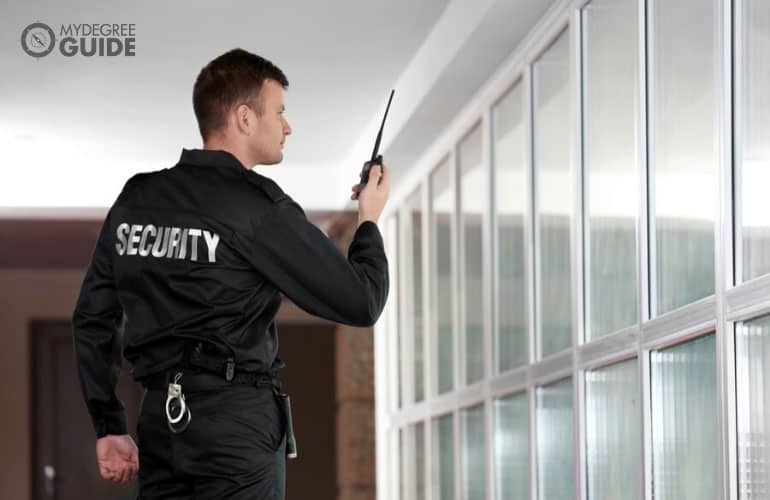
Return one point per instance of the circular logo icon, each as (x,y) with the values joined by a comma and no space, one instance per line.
(38,39)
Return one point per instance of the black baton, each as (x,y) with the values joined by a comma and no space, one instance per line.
(291,442)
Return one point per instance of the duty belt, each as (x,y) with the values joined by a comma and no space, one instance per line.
(194,381)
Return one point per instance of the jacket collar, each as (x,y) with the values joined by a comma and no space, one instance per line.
(210,158)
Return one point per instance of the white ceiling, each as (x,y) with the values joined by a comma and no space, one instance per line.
(72,130)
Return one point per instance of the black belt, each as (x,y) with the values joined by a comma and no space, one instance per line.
(193,380)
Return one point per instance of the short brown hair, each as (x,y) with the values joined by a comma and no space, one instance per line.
(231,79)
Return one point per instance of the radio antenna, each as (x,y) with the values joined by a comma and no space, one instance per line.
(379,134)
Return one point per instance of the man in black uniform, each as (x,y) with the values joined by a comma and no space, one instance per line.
(185,283)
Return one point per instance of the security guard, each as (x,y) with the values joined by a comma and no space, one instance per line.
(185,280)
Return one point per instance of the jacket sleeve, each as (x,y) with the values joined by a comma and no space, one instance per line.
(97,332)
(307,267)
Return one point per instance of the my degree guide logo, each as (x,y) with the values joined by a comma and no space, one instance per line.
(87,40)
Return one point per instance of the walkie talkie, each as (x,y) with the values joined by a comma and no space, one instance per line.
(376,158)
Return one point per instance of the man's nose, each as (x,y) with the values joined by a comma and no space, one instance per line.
(286,126)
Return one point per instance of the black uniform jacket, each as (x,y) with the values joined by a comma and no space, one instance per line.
(201,250)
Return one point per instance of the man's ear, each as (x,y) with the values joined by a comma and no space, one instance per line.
(245,119)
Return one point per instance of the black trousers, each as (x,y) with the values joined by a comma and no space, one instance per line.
(233,448)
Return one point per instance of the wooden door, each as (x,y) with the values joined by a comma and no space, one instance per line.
(63,442)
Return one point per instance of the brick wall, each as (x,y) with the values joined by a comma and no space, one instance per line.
(355,413)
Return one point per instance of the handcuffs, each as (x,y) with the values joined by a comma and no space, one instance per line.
(175,404)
